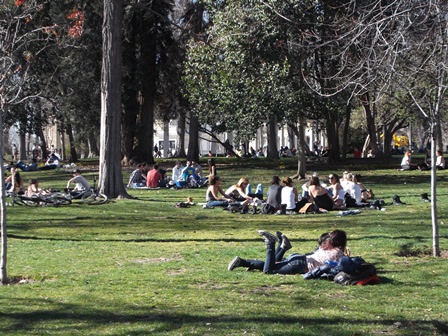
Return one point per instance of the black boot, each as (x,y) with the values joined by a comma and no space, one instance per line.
(396,200)
(375,205)
(425,197)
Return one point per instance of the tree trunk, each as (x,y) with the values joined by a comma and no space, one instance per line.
(348,113)
(4,240)
(131,88)
(434,222)
(272,152)
(62,144)
(439,137)
(301,148)
(180,150)
(43,144)
(111,178)
(333,137)
(370,120)
(144,150)
(22,143)
(71,139)
(93,145)
(193,141)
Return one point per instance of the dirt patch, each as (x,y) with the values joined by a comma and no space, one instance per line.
(176,257)
(19,281)
(420,252)
(176,272)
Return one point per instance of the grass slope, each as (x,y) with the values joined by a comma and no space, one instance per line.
(144,267)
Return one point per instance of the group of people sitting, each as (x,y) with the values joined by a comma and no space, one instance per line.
(239,193)
(142,177)
(341,193)
(407,164)
(283,197)
(190,175)
(14,184)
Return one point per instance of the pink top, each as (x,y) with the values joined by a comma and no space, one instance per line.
(320,256)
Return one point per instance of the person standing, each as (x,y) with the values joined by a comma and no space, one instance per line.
(15,153)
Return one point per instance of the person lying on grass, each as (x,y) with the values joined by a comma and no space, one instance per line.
(331,249)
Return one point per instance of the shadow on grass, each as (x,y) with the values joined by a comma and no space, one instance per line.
(70,318)
(219,239)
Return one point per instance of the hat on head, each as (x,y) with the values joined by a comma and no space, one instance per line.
(77,171)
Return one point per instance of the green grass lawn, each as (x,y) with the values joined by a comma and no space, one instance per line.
(144,267)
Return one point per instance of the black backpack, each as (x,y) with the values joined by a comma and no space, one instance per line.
(266,209)
(363,271)
(350,202)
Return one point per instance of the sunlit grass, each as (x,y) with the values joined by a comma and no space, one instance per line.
(144,267)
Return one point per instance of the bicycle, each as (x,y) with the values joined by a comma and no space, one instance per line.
(90,197)
(53,199)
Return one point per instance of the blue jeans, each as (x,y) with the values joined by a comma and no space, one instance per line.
(217,203)
(25,167)
(274,264)
(138,185)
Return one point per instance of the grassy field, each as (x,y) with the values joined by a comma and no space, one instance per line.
(144,267)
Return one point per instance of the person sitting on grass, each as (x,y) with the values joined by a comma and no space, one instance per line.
(212,195)
(406,163)
(238,192)
(14,182)
(353,190)
(80,182)
(154,179)
(332,249)
(440,161)
(290,198)
(365,194)
(137,178)
(274,197)
(177,172)
(319,196)
(34,190)
(337,191)
(53,162)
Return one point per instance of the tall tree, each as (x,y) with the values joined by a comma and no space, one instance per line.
(24,35)
(237,79)
(111,178)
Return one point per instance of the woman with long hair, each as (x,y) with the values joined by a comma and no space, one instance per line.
(238,191)
(274,197)
(331,248)
(319,196)
(14,182)
(406,163)
(290,197)
(337,191)
(212,196)
(211,167)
